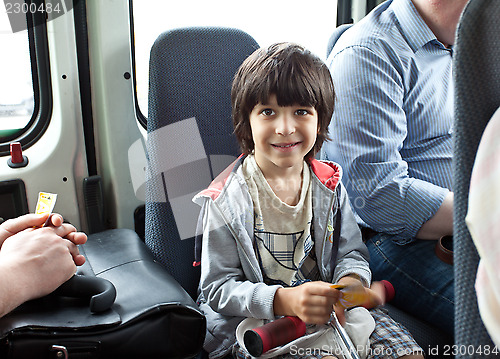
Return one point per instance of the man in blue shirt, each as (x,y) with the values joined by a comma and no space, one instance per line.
(392,134)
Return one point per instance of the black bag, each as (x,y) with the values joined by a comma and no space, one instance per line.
(152,316)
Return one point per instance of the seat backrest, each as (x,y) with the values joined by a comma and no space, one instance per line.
(335,36)
(190,135)
(476,69)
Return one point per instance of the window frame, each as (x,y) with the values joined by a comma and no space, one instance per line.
(139,115)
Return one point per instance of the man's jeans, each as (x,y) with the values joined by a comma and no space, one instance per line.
(424,284)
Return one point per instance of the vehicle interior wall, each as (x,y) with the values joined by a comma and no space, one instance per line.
(119,139)
(57,161)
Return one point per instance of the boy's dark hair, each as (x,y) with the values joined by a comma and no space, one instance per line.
(294,75)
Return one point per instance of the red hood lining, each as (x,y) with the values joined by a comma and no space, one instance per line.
(327,172)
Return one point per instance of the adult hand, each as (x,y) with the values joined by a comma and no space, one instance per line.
(34,221)
(70,233)
(33,263)
(18,224)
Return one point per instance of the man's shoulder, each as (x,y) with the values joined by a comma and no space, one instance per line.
(379,32)
(373,38)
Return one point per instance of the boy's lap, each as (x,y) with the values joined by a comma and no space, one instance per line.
(388,340)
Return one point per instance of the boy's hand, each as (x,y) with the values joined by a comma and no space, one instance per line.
(354,294)
(377,294)
(312,302)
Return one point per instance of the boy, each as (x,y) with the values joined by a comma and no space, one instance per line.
(277,226)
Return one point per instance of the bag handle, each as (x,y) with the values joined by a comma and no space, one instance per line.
(102,292)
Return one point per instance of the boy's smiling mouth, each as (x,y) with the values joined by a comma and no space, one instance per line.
(285,145)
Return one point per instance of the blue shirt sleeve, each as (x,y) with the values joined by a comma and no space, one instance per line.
(368,131)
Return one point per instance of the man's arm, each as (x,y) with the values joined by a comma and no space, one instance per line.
(441,224)
(368,130)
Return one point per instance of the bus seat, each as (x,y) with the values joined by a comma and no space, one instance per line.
(190,135)
(476,71)
(427,336)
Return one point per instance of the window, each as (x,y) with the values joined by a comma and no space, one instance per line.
(25,91)
(309,23)
(16,87)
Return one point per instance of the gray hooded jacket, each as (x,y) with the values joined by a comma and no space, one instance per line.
(231,283)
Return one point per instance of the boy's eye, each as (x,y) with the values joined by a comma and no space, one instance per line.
(267,112)
(301,112)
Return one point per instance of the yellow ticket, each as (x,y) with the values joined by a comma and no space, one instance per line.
(351,296)
(45,204)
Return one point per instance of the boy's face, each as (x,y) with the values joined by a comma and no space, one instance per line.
(282,136)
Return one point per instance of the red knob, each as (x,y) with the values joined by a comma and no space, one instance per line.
(17,159)
(16,152)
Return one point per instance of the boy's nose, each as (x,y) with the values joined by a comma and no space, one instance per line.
(285,126)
